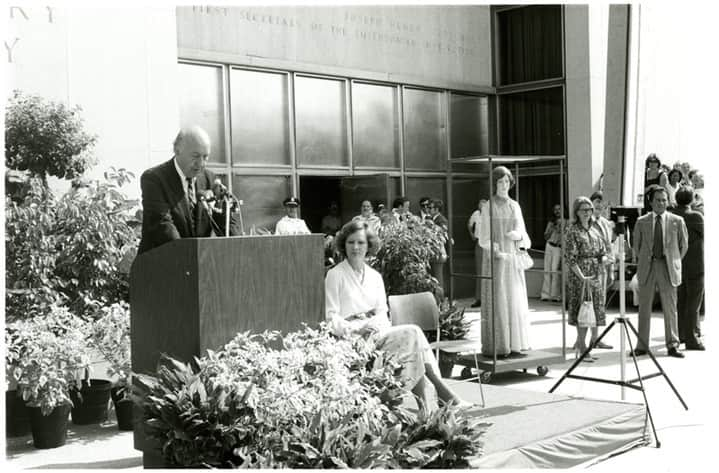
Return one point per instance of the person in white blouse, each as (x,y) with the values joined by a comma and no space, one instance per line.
(356,304)
(473,228)
(367,216)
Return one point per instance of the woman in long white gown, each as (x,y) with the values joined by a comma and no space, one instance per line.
(508,311)
(356,303)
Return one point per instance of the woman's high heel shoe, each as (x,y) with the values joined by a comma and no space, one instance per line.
(578,352)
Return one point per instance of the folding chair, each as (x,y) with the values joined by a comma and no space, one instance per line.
(421,309)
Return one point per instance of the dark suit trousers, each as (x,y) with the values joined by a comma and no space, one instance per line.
(689,298)
(658,279)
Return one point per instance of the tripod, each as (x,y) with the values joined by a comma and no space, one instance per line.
(625,324)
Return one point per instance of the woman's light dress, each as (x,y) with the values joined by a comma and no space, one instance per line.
(510,305)
(347,293)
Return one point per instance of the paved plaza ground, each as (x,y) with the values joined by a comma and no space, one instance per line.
(687,437)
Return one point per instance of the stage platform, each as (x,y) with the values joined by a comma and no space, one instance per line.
(539,430)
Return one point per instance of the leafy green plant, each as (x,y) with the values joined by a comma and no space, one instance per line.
(46,138)
(92,237)
(453,325)
(198,419)
(47,355)
(67,251)
(110,335)
(305,400)
(441,439)
(405,253)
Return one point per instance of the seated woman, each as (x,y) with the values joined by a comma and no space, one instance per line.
(356,303)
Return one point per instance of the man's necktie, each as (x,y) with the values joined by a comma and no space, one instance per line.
(658,247)
(192,199)
(190,194)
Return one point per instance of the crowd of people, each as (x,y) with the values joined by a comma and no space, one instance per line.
(666,247)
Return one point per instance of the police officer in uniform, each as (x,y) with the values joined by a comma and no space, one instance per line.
(290,224)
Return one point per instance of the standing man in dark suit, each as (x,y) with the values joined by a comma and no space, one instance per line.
(691,291)
(435,211)
(660,243)
(175,194)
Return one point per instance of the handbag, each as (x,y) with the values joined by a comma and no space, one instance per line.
(586,316)
(523,260)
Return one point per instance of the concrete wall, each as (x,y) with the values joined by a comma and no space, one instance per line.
(118,64)
(595,92)
(446,46)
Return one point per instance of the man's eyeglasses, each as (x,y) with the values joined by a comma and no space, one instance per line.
(424,205)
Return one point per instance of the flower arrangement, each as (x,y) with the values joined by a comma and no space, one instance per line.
(48,355)
(305,400)
(110,335)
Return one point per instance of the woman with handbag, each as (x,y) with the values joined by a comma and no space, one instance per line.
(586,253)
(507,313)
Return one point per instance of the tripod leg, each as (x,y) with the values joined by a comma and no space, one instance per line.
(656,363)
(579,360)
(641,384)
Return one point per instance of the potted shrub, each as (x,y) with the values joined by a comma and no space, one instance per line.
(405,255)
(110,335)
(17,416)
(54,356)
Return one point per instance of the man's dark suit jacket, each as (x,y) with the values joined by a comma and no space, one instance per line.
(166,210)
(693,263)
(441,220)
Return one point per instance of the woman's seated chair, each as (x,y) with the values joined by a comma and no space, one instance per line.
(421,309)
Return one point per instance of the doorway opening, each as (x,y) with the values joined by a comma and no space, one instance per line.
(316,195)
(318,192)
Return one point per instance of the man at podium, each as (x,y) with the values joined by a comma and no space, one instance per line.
(177,194)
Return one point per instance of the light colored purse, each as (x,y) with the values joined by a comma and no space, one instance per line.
(524,261)
(586,316)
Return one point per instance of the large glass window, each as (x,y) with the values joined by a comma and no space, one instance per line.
(375,126)
(201,103)
(532,122)
(530,44)
(469,125)
(321,122)
(262,197)
(424,130)
(259,115)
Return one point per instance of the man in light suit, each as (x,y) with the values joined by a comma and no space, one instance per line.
(660,243)
(175,194)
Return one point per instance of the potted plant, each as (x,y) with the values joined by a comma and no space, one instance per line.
(405,255)
(110,335)
(17,416)
(54,356)
(452,326)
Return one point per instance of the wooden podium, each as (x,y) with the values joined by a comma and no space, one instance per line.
(192,294)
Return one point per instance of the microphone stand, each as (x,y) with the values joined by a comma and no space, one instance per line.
(231,203)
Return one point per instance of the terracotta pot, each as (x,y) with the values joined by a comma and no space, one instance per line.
(91,403)
(49,431)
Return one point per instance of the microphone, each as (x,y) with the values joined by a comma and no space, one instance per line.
(219,189)
(220,192)
(206,196)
